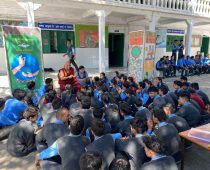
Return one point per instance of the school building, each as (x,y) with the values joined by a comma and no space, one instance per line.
(100,28)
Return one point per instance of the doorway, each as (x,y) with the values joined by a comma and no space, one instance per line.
(116,50)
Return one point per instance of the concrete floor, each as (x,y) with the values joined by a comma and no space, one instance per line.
(195,158)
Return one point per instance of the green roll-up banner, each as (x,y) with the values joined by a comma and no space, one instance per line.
(23,46)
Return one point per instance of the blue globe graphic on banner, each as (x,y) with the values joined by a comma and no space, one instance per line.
(25,67)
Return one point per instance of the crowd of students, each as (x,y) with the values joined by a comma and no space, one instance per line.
(115,124)
(185,65)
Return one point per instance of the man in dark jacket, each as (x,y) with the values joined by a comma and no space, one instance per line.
(154,150)
(21,140)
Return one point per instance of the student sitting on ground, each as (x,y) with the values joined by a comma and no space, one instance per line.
(120,163)
(90,161)
(21,140)
(31,94)
(154,150)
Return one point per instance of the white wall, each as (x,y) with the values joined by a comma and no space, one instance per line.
(2,61)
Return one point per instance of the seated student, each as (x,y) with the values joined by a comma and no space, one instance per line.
(142,112)
(160,67)
(178,87)
(120,163)
(112,116)
(141,92)
(13,109)
(172,66)
(185,86)
(31,94)
(130,99)
(41,91)
(203,95)
(90,161)
(123,125)
(102,143)
(157,100)
(167,134)
(134,147)
(82,75)
(188,111)
(133,85)
(184,79)
(159,83)
(68,96)
(167,97)
(98,114)
(179,122)
(104,79)
(125,86)
(86,112)
(194,96)
(21,140)
(181,66)
(69,147)
(154,150)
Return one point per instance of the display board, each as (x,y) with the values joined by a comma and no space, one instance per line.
(136,55)
(149,55)
(24,56)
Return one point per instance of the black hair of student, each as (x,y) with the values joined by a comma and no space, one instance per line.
(60,112)
(153,143)
(160,115)
(170,107)
(129,91)
(178,83)
(90,160)
(2,102)
(96,78)
(103,74)
(182,56)
(159,78)
(153,89)
(142,84)
(150,83)
(126,84)
(125,108)
(19,94)
(86,102)
(163,89)
(49,97)
(30,112)
(98,127)
(185,84)
(29,101)
(195,85)
(80,95)
(68,40)
(120,163)
(56,103)
(81,67)
(183,78)
(122,75)
(139,124)
(113,81)
(105,98)
(98,113)
(48,81)
(117,73)
(104,88)
(48,88)
(31,85)
(138,102)
(130,79)
(185,95)
(114,107)
(76,125)
(191,91)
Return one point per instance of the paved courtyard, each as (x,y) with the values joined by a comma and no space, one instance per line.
(195,158)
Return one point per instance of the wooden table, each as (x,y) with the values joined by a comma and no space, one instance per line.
(200,143)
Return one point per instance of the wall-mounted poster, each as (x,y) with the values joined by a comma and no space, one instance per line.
(170,41)
(161,38)
(88,39)
(24,56)
(149,57)
(136,54)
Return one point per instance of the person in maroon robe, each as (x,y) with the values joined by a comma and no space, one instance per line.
(66,76)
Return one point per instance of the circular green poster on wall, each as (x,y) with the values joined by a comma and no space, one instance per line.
(135,52)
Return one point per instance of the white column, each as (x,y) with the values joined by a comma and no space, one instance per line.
(188,37)
(126,39)
(30,7)
(101,14)
(153,19)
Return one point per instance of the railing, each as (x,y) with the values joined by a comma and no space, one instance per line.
(194,7)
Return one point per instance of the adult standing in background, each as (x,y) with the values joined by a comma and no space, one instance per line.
(71,52)
(181,49)
(175,49)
